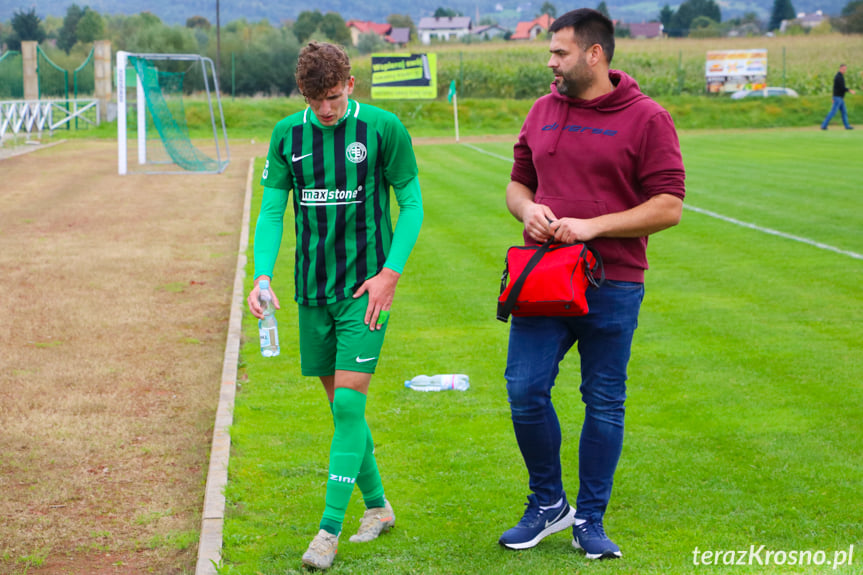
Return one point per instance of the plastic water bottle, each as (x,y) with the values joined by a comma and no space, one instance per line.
(267,327)
(457,381)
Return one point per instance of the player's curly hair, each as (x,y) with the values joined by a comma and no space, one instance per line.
(320,68)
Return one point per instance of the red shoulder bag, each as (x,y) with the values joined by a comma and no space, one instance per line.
(549,280)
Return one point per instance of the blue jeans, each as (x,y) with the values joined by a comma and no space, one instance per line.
(537,345)
(838,105)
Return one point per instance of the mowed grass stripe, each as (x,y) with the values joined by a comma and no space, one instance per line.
(795,182)
(751,393)
(743,418)
(789,181)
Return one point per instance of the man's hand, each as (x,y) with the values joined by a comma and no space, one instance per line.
(572,230)
(537,220)
(254,299)
(535,217)
(381,289)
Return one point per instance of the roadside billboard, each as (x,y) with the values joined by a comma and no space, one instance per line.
(732,70)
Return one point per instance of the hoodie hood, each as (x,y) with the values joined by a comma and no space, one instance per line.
(626,93)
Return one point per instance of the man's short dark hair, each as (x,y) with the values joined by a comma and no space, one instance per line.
(320,68)
(590,27)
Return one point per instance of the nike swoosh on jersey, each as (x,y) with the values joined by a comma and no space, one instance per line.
(364,360)
(298,158)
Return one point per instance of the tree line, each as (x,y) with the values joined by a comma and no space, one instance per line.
(254,57)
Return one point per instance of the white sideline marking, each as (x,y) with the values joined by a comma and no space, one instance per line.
(702,211)
(772,232)
(213,520)
(487,153)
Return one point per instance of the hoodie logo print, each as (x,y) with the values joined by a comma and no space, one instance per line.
(579,129)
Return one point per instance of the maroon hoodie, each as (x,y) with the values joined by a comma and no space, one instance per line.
(586,158)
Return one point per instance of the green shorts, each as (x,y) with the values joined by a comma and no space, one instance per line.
(335,336)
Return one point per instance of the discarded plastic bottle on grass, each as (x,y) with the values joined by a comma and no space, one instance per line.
(443,382)
(268,327)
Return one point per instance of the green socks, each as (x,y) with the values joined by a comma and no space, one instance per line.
(352,460)
(369,479)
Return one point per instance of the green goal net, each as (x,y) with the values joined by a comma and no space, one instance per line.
(169,110)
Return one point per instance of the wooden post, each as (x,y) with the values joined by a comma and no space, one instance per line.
(102,76)
(31,79)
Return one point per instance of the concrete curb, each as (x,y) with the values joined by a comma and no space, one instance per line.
(210,544)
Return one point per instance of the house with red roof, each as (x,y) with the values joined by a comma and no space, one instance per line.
(530,30)
(359,27)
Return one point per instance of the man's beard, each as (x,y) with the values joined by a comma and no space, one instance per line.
(572,86)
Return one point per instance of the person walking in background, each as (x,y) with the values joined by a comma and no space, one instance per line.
(340,158)
(839,90)
(596,161)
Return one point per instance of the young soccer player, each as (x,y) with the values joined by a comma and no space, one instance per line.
(340,158)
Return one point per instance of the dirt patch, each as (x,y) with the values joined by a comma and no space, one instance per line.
(115,304)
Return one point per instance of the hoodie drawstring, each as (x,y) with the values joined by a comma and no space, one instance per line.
(553,149)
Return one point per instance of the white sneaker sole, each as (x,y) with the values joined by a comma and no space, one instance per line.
(604,555)
(567,521)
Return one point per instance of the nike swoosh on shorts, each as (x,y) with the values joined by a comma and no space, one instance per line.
(364,360)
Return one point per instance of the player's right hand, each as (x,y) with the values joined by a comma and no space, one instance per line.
(254,301)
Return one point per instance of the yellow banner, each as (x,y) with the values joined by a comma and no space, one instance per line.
(404,76)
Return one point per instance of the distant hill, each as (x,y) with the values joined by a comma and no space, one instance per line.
(507,11)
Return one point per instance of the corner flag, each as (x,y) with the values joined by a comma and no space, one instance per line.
(452,97)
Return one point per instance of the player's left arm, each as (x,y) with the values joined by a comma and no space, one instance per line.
(400,168)
(382,287)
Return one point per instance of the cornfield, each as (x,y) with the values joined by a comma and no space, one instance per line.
(662,67)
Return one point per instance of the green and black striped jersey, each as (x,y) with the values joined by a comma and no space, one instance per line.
(340,176)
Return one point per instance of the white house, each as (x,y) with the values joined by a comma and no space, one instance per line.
(443,28)
(805,20)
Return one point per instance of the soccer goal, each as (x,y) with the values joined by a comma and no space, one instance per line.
(165,108)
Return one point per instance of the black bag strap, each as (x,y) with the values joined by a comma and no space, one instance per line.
(505,309)
(597,265)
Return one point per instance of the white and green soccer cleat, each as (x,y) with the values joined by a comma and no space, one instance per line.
(322,550)
(374,522)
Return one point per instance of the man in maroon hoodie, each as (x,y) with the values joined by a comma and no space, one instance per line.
(596,161)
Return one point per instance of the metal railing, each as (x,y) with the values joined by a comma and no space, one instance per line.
(28,116)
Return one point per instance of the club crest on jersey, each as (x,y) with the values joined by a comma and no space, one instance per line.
(356,152)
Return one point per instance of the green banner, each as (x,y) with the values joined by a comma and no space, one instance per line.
(404,76)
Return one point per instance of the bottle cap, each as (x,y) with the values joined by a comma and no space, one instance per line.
(408,383)
(264,284)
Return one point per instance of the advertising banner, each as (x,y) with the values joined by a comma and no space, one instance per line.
(732,70)
(404,76)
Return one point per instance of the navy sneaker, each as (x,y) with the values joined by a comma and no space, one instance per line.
(591,537)
(537,524)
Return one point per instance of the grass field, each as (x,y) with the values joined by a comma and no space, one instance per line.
(104,430)
(744,412)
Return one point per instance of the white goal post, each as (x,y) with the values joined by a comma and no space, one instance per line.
(162,135)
